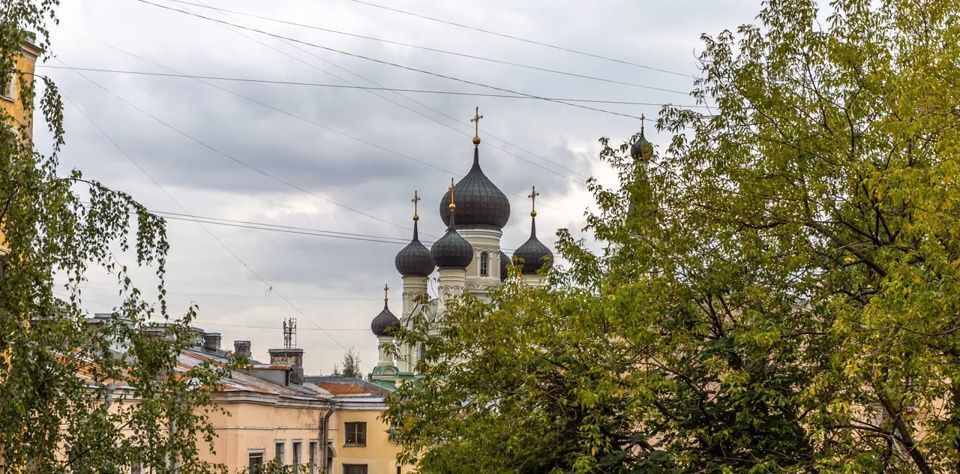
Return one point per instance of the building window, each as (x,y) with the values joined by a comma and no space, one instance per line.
(356,434)
(484,264)
(354,469)
(312,457)
(6,87)
(297,455)
(254,461)
(278,450)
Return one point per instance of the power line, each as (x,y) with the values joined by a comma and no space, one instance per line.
(525,40)
(424,48)
(271,287)
(288,229)
(396,65)
(315,123)
(350,86)
(231,295)
(403,106)
(239,161)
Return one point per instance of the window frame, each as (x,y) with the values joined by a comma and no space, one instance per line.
(296,454)
(8,87)
(312,455)
(348,468)
(280,446)
(484,265)
(251,455)
(359,436)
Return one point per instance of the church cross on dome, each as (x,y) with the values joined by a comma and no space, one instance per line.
(476,126)
(533,201)
(415,201)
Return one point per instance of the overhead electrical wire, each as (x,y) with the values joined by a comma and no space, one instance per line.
(525,40)
(487,133)
(270,286)
(178,292)
(424,48)
(350,86)
(396,65)
(242,224)
(313,122)
(244,163)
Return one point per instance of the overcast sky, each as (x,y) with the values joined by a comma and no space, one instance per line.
(326,150)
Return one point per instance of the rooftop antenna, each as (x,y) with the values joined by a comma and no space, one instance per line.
(290,333)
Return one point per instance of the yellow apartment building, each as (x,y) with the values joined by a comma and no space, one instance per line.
(271,411)
(14,84)
(11,103)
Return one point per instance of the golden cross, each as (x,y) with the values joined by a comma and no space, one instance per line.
(533,201)
(385,289)
(415,200)
(453,189)
(476,120)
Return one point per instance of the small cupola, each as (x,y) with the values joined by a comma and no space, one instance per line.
(641,150)
(414,259)
(385,323)
(533,255)
(452,250)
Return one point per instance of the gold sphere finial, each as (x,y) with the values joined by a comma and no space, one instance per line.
(476,140)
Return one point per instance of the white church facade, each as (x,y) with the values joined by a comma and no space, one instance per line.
(467,259)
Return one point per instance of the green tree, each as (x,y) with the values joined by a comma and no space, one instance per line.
(777,290)
(351,364)
(77,396)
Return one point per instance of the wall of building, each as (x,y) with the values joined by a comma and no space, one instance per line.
(247,427)
(14,107)
(12,104)
(379,454)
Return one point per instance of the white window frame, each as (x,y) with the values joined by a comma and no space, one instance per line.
(484,265)
(282,444)
(7,92)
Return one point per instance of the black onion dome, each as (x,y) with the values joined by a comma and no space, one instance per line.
(641,149)
(533,255)
(504,261)
(385,323)
(480,203)
(414,259)
(451,250)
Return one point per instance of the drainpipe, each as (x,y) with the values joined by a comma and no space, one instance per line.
(325,437)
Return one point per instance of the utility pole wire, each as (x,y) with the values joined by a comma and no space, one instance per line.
(392,64)
(425,48)
(241,162)
(525,40)
(272,287)
(409,109)
(351,86)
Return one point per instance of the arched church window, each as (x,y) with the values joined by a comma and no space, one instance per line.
(484,264)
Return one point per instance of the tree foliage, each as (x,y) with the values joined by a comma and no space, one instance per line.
(778,290)
(78,396)
(351,364)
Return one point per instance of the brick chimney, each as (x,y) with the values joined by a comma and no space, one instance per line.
(211,341)
(292,357)
(241,348)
